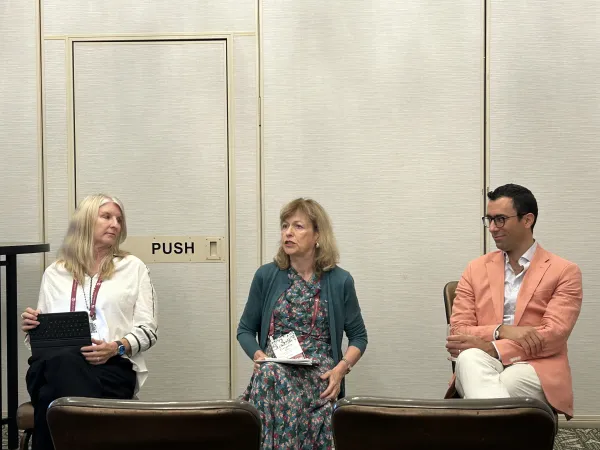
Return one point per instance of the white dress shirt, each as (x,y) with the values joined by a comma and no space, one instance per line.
(126,305)
(512,286)
(513,282)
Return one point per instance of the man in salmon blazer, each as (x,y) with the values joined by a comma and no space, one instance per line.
(514,311)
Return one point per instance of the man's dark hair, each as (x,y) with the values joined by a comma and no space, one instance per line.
(523,200)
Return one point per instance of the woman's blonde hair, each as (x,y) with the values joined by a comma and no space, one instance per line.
(77,251)
(326,254)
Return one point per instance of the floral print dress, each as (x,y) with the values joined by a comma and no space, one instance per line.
(292,414)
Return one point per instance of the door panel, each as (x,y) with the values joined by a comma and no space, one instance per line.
(150,126)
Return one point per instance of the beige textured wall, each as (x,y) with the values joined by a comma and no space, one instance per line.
(20,157)
(176,361)
(376,112)
(544,133)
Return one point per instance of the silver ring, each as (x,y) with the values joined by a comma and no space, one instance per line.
(98,358)
(22,315)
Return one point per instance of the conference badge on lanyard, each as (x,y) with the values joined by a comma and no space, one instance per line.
(287,346)
(91,307)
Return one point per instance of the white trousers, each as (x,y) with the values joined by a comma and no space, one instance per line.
(479,375)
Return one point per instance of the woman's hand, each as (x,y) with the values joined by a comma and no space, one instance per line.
(29,321)
(258,356)
(335,377)
(100,352)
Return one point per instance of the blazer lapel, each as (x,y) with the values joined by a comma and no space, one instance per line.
(495,272)
(537,269)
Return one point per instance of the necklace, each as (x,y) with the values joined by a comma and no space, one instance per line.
(93,328)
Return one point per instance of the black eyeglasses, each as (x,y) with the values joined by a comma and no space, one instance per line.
(499,221)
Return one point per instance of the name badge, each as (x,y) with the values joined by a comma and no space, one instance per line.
(94,330)
(287,346)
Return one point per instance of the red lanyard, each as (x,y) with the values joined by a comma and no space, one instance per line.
(312,326)
(92,300)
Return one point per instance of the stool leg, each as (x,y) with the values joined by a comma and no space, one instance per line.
(25,440)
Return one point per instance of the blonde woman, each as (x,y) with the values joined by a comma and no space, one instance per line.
(302,292)
(92,274)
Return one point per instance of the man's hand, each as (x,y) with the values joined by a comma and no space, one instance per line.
(526,337)
(457,343)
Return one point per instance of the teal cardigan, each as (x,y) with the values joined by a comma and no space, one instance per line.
(337,287)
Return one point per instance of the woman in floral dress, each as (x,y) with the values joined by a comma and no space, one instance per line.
(303,291)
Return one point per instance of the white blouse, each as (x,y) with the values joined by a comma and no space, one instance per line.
(125,306)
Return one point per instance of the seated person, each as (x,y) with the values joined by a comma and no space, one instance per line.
(306,296)
(92,274)
(514,311)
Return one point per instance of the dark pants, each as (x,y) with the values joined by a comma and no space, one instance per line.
(68,374)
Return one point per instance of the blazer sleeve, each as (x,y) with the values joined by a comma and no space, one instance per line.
(557,322)
(354,325)
(250,321)
(464,319)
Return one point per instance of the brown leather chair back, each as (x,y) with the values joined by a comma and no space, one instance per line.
(449,295)
(361,423)
(101,424)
